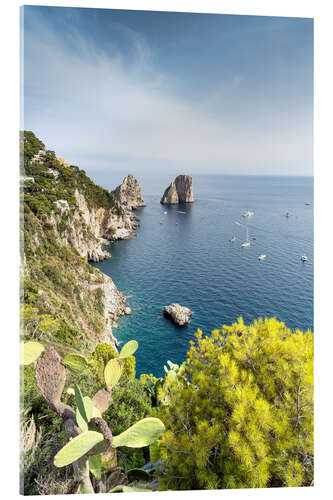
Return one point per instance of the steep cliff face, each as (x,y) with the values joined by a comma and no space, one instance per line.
(66,221)
(128,194)
(90,228)
(179,191)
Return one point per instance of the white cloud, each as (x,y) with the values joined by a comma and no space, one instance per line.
(87,102)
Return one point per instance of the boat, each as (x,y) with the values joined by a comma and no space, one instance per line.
(247,213)
(247,242)
(262,257)
(253,238)
(165,213)
(233,238)
(304,258)
(288,214)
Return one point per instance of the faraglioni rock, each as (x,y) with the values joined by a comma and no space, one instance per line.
(128,194)
(179,191)
(179,314)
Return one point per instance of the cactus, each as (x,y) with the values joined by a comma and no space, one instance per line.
(128,349)
(137,475)
(112,372)
(127,489)
(102,400)
(95,465)
(90,436)
(75,362)
(77,448)
(84,411)
(30,351)
(143,433)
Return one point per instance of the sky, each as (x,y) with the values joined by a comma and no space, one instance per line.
(160,92)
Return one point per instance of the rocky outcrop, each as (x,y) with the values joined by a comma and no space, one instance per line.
(128,194)
(179,314)
(114,306)
(179,191)
(89,229)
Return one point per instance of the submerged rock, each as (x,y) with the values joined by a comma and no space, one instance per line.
(128,194)
(179,314)
(179,191)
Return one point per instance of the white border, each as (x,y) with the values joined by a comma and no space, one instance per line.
(321,11)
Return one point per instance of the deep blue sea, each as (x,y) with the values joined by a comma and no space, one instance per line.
(185,256)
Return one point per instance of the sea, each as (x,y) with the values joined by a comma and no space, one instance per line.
(183,253)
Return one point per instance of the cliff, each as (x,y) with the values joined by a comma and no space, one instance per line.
(179,191)
(128,194)
(65,221)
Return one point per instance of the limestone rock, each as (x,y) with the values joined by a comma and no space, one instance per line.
(179,191)
(179,314)
(128,194)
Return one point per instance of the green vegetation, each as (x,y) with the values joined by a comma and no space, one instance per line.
(92,445)
(239,413)
(56,181)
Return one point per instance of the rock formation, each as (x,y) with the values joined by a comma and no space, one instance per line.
(128,194)
(179,191)
(179,314)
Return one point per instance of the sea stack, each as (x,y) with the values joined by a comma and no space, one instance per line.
(179,191)
(128,194)
(180,315)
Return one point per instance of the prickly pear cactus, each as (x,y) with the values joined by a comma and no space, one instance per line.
(50,376)
(102,400)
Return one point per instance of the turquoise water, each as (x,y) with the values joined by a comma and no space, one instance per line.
(185,256)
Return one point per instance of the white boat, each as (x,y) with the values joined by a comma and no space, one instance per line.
(233,238)
(165,213)
(262,257)
(304,258)
(247,242)
(247,213)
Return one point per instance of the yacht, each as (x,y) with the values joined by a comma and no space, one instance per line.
(247,242)
(262,257)
(304,258)
(233,238)
(247,213)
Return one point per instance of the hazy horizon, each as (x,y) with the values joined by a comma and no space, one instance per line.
(141,92)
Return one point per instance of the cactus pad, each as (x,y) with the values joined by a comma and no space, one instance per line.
(75,362)
(30,351)
(143,433)
(128,349)
(113,371)
(50,376)
(102,400)
(77,447)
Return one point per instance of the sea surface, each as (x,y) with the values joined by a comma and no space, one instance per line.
(183,254)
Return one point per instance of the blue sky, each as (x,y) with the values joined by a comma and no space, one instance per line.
(137,91)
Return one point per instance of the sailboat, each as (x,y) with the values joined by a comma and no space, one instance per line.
(247,242)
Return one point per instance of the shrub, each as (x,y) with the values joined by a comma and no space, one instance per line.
(241,413)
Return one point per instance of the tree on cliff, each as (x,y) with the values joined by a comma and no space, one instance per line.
(240,413)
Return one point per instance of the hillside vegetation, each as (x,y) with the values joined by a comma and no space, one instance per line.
(237,413)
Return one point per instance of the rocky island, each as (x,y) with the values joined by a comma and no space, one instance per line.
(128,194)
(179,314)
(179,191)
